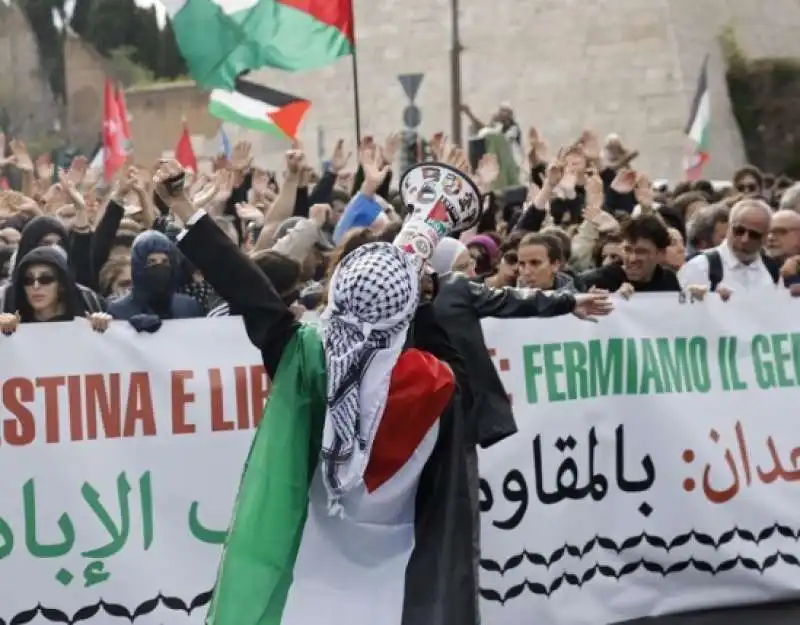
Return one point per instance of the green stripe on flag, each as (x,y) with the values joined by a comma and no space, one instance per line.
(270,511)
(219,46)
(228,114)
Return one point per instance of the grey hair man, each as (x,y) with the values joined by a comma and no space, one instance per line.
(783,239)
(791,198)
(738,263)
(706,229)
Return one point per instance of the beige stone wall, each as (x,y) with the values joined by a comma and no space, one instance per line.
(628,66)
(85,73)
(24,90)
(157,114)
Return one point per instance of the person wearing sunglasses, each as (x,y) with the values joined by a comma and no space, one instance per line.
(47,231)
(45,291)
(739,263)
(749,181)
(783,239)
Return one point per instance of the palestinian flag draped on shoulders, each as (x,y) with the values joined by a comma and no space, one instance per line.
(221,39)
(400,551)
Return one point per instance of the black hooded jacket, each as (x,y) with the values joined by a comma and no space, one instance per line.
(36,230)
(32,234)
(69,293)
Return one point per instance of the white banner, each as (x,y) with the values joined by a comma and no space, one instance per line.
(656,466)
(120,456)
(652,473)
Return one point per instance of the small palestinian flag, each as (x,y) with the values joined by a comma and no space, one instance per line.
(259,108)
(697,128)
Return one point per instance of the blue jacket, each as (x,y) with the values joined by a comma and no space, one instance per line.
(140,301)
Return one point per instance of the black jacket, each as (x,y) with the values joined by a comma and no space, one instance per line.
(269,323)
(32,234)
(612,277)
(443,519)
(460,305)
(70,295)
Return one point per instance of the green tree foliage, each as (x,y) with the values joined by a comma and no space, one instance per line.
(81,16)
(112,25)
(120,30)
(171,63)
(765,98)
(128,71)
(147,39)
(40,16)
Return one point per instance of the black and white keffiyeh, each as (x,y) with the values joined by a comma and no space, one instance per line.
(372,298)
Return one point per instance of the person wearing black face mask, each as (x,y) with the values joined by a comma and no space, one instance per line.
(155,274)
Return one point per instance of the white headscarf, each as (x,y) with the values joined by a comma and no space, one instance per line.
(372,299)
(447,252)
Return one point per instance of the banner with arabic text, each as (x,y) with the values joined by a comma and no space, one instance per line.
(657,465)
(120,455)
(654,471)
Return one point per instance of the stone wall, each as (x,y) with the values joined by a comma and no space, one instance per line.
(157,112)
(85,72)
(24,91)
(628,66)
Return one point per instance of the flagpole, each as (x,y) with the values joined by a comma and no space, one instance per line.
(354,58)
(455,72)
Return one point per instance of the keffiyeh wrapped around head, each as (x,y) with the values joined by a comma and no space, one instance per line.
(372,299)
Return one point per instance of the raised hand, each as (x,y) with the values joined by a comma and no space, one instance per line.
(22,160)
(589,306)
(339,158)
(375,171)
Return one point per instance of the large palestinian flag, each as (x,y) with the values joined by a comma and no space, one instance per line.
(400,551)
(220,39)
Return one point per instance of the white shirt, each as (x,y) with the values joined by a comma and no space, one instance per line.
(735,274)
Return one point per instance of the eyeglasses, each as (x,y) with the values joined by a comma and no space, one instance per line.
(747,188)
(740,231)
(42,280)
(124,284)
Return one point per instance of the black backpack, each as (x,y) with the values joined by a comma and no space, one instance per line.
(715,270)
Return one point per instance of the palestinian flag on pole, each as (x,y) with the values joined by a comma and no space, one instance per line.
(220,39)
(400,552)
(259,108)
(697,128)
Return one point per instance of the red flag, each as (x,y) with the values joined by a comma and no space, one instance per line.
(184,153)
(122,107)
(113,150)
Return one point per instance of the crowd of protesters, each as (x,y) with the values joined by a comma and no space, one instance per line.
(583,224)
(587,221)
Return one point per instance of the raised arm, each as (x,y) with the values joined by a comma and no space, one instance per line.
(249,293)
(512,303)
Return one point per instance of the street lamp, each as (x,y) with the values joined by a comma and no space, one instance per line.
(455,74)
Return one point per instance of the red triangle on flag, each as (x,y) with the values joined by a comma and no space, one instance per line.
(289,117)
(184,153)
